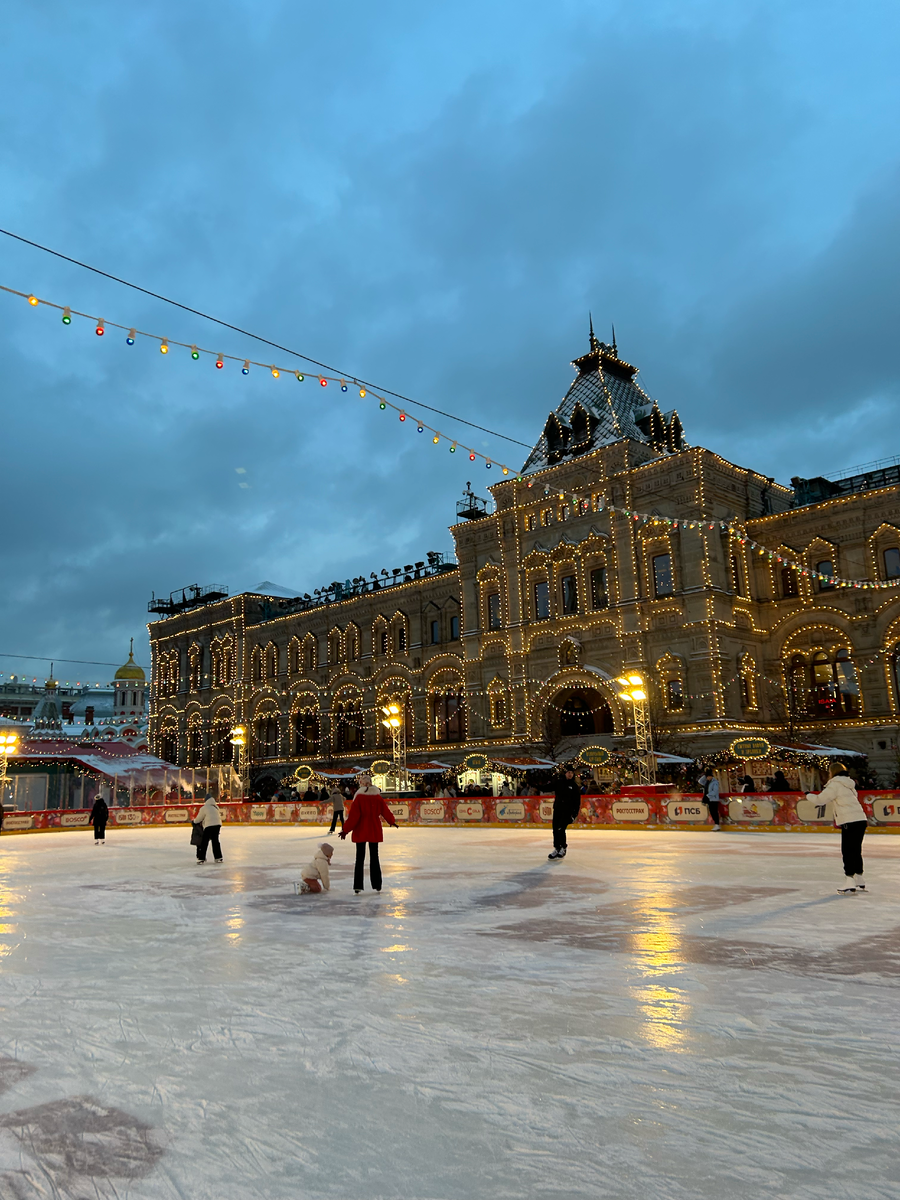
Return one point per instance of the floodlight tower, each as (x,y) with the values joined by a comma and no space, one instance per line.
(9,744)
(394,722)
(634,692)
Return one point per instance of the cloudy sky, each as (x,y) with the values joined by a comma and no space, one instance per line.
(432,197)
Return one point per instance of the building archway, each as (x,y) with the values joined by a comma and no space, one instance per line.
(579,712)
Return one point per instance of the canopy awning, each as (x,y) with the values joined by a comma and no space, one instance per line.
(427,768)
(825,751)
(525,763)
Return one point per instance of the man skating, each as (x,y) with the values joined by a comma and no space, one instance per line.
(850,817)
(566,807)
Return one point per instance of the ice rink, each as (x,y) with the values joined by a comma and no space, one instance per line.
(688,1015)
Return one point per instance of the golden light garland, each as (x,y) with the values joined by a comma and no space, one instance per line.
(344,382)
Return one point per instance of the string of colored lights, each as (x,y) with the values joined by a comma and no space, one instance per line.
(344,381)
(711,523)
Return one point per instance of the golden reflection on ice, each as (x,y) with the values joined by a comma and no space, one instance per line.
(656,945)
(397,896)
(234,924)
(393,949)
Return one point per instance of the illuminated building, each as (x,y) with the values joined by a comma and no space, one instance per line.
(619,548)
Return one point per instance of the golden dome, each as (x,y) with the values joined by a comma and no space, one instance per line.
(131,670)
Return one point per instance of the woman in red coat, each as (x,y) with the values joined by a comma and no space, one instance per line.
(366,810)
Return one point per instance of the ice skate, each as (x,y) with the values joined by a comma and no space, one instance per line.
(715,827)
(849,886)
(561,853)
(302,888)
(860,882)
(555,854)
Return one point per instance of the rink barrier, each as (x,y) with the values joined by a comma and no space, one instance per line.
(774,812)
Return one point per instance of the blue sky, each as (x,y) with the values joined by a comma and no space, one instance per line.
(432,197)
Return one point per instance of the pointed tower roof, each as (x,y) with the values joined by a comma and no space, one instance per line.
(605,390)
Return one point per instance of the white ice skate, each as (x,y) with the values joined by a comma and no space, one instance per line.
(849,886)
(860,883)
(555,854)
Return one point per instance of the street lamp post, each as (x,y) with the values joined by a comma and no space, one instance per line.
(9,744)
(393,721)
(634,692)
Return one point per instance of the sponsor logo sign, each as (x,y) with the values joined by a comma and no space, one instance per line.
(594,756)
(511,810)
(546,810)
(126,816)
(476,762)
(69,819)
(762,811)
(812,812)
(309,812)
(400,811)
(750,747)
(431,812)
(887,810)
(381,766)
(282,812)
(681,810)
(303,773)
(469,812)
(630,810)
(175,815)
(258,812)
(18,822)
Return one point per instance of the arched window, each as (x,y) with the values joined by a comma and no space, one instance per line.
(797,685)
(383,640)
(401,639)
(256,665)
(334,648)
(271,662)
(825,568)
(194,743)
(821,685)
(266,736)
(352,645)
(168,744)
(220,747)
(847,684)
(789,584)
(737,575)
(448,717)
(674,695)
(194,669)
(891,563)
(310,652)
(306,732)
(348,726)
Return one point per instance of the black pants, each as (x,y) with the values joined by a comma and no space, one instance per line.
(337,816)
(852,835)
(99,831)
(560,825)
(210,834)
(374,866)
(713,806)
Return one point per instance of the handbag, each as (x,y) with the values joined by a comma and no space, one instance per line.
(196,833)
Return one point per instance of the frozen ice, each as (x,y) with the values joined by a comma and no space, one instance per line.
(658,1016)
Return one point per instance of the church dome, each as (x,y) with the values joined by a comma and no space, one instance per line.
(131,670)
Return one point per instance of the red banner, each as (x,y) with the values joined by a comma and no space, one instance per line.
(780,811)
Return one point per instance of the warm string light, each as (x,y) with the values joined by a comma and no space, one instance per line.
(275,371)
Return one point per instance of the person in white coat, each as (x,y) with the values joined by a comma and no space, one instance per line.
(850,817)
(210,817)
(316,875)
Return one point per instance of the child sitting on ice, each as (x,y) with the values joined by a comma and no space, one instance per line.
(315,875)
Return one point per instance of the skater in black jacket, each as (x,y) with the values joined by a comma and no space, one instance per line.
(566,807)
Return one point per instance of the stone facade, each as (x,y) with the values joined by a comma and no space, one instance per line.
(556,593)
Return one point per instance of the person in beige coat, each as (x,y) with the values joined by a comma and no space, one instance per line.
(316,876)
(210,817)
(850,817)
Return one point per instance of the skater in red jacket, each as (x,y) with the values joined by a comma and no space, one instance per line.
(366,810)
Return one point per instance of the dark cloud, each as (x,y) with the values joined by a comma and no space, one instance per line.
(433,198)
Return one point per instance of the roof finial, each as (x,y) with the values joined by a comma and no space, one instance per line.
(131,649)
(615,351)
(595,345)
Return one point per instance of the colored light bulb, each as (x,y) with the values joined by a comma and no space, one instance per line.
(219,362)
(164,347)
(471,457)
(487,464)
(300,377)
(362,392)
(436,438)
(323,381)
(195,353)
(403,416)
(275,373)
(382,405)
(421,429)
(245,369)
(453,448)
(67,316)
(506,470)
(33,300)
(343,386)
(99,330)
(130,339)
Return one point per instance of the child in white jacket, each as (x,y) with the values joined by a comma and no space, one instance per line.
(850,817)
(315,876)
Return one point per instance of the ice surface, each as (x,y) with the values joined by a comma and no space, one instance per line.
(660,1015)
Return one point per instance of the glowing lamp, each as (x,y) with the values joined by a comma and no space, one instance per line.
(220,363)
(343,386)
(99,330)
(300,377)
(164,347)
(362,392)
(487,464)
(33,301)
(129,341)
(420,429)
(245,369)
(323,381)
(453,448)
(382,405)
(275,373)
(636,680)
(637,694)
(67,316)
(195,353)
(471,457)
(436,438)
(506,470)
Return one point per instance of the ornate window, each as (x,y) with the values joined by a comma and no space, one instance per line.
(168,742)
(271,661)
(663,582)
(825,567)
(569,587)
(310,652)
(825,688)
(195,663)
(789,583)
(541,600)
(401,639)
(599,595)
(307,733)
(266,736)
(195,741)
(748,681)
(530,521)
(352,640)
(334,647)
(892,563)
(448,717)
(454,629)
(499,710)
(220,748)
(495,619)
(674,695)
(435,632)
(256,665)
(737,575)
(547,516)
(349,730)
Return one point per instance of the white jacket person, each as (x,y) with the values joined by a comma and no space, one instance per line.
(319,868)
(209,814)
(841,790)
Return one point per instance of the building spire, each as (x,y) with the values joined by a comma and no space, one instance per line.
(614,350)
(595,345)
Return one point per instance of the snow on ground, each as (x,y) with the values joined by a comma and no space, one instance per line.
(660,1015)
